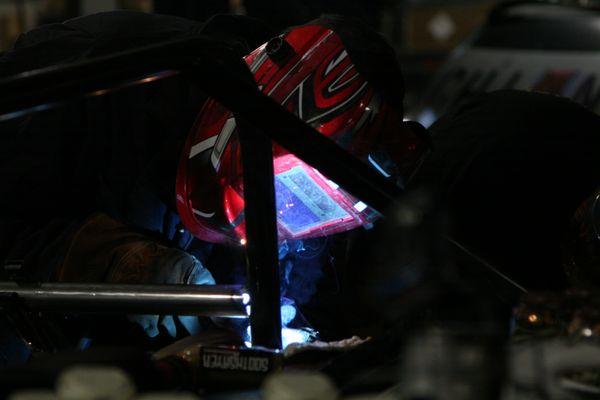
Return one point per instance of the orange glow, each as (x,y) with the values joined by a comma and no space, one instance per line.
(533,318)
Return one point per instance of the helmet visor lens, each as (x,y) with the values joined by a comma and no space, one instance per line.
(303,206)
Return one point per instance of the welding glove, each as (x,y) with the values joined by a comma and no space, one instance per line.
(105,250)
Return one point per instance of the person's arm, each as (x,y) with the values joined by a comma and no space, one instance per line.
(105,250)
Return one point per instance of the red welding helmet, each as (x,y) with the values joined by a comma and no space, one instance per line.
(337,76)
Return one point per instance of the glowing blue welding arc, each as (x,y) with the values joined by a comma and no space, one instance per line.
(245,299)
(288,335)
(288,313)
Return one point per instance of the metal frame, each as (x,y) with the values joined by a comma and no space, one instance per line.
(260,120)
(209,301)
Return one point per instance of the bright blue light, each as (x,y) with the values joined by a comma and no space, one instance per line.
(245,299)
(288,313)
(302,204)
(427,117)
(289,336)
(248,338)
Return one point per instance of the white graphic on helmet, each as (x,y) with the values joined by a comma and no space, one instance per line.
(299,91)
(203,214)
(221,142)
(335,62)
(202,146)
(341,105)
(336,85)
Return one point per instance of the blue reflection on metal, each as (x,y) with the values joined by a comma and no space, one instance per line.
(378,167)
(245,299)
(22,113)
(84,343)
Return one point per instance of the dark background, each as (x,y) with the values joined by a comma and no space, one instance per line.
(423,31)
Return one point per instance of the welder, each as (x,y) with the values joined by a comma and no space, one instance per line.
(114,189)
(109,189)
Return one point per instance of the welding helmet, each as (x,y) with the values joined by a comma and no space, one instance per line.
(339,77)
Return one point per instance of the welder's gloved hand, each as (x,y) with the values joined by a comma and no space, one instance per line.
(105,250)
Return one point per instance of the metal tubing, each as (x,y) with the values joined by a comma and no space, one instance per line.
(210,300)
(55,84)
(261,237)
